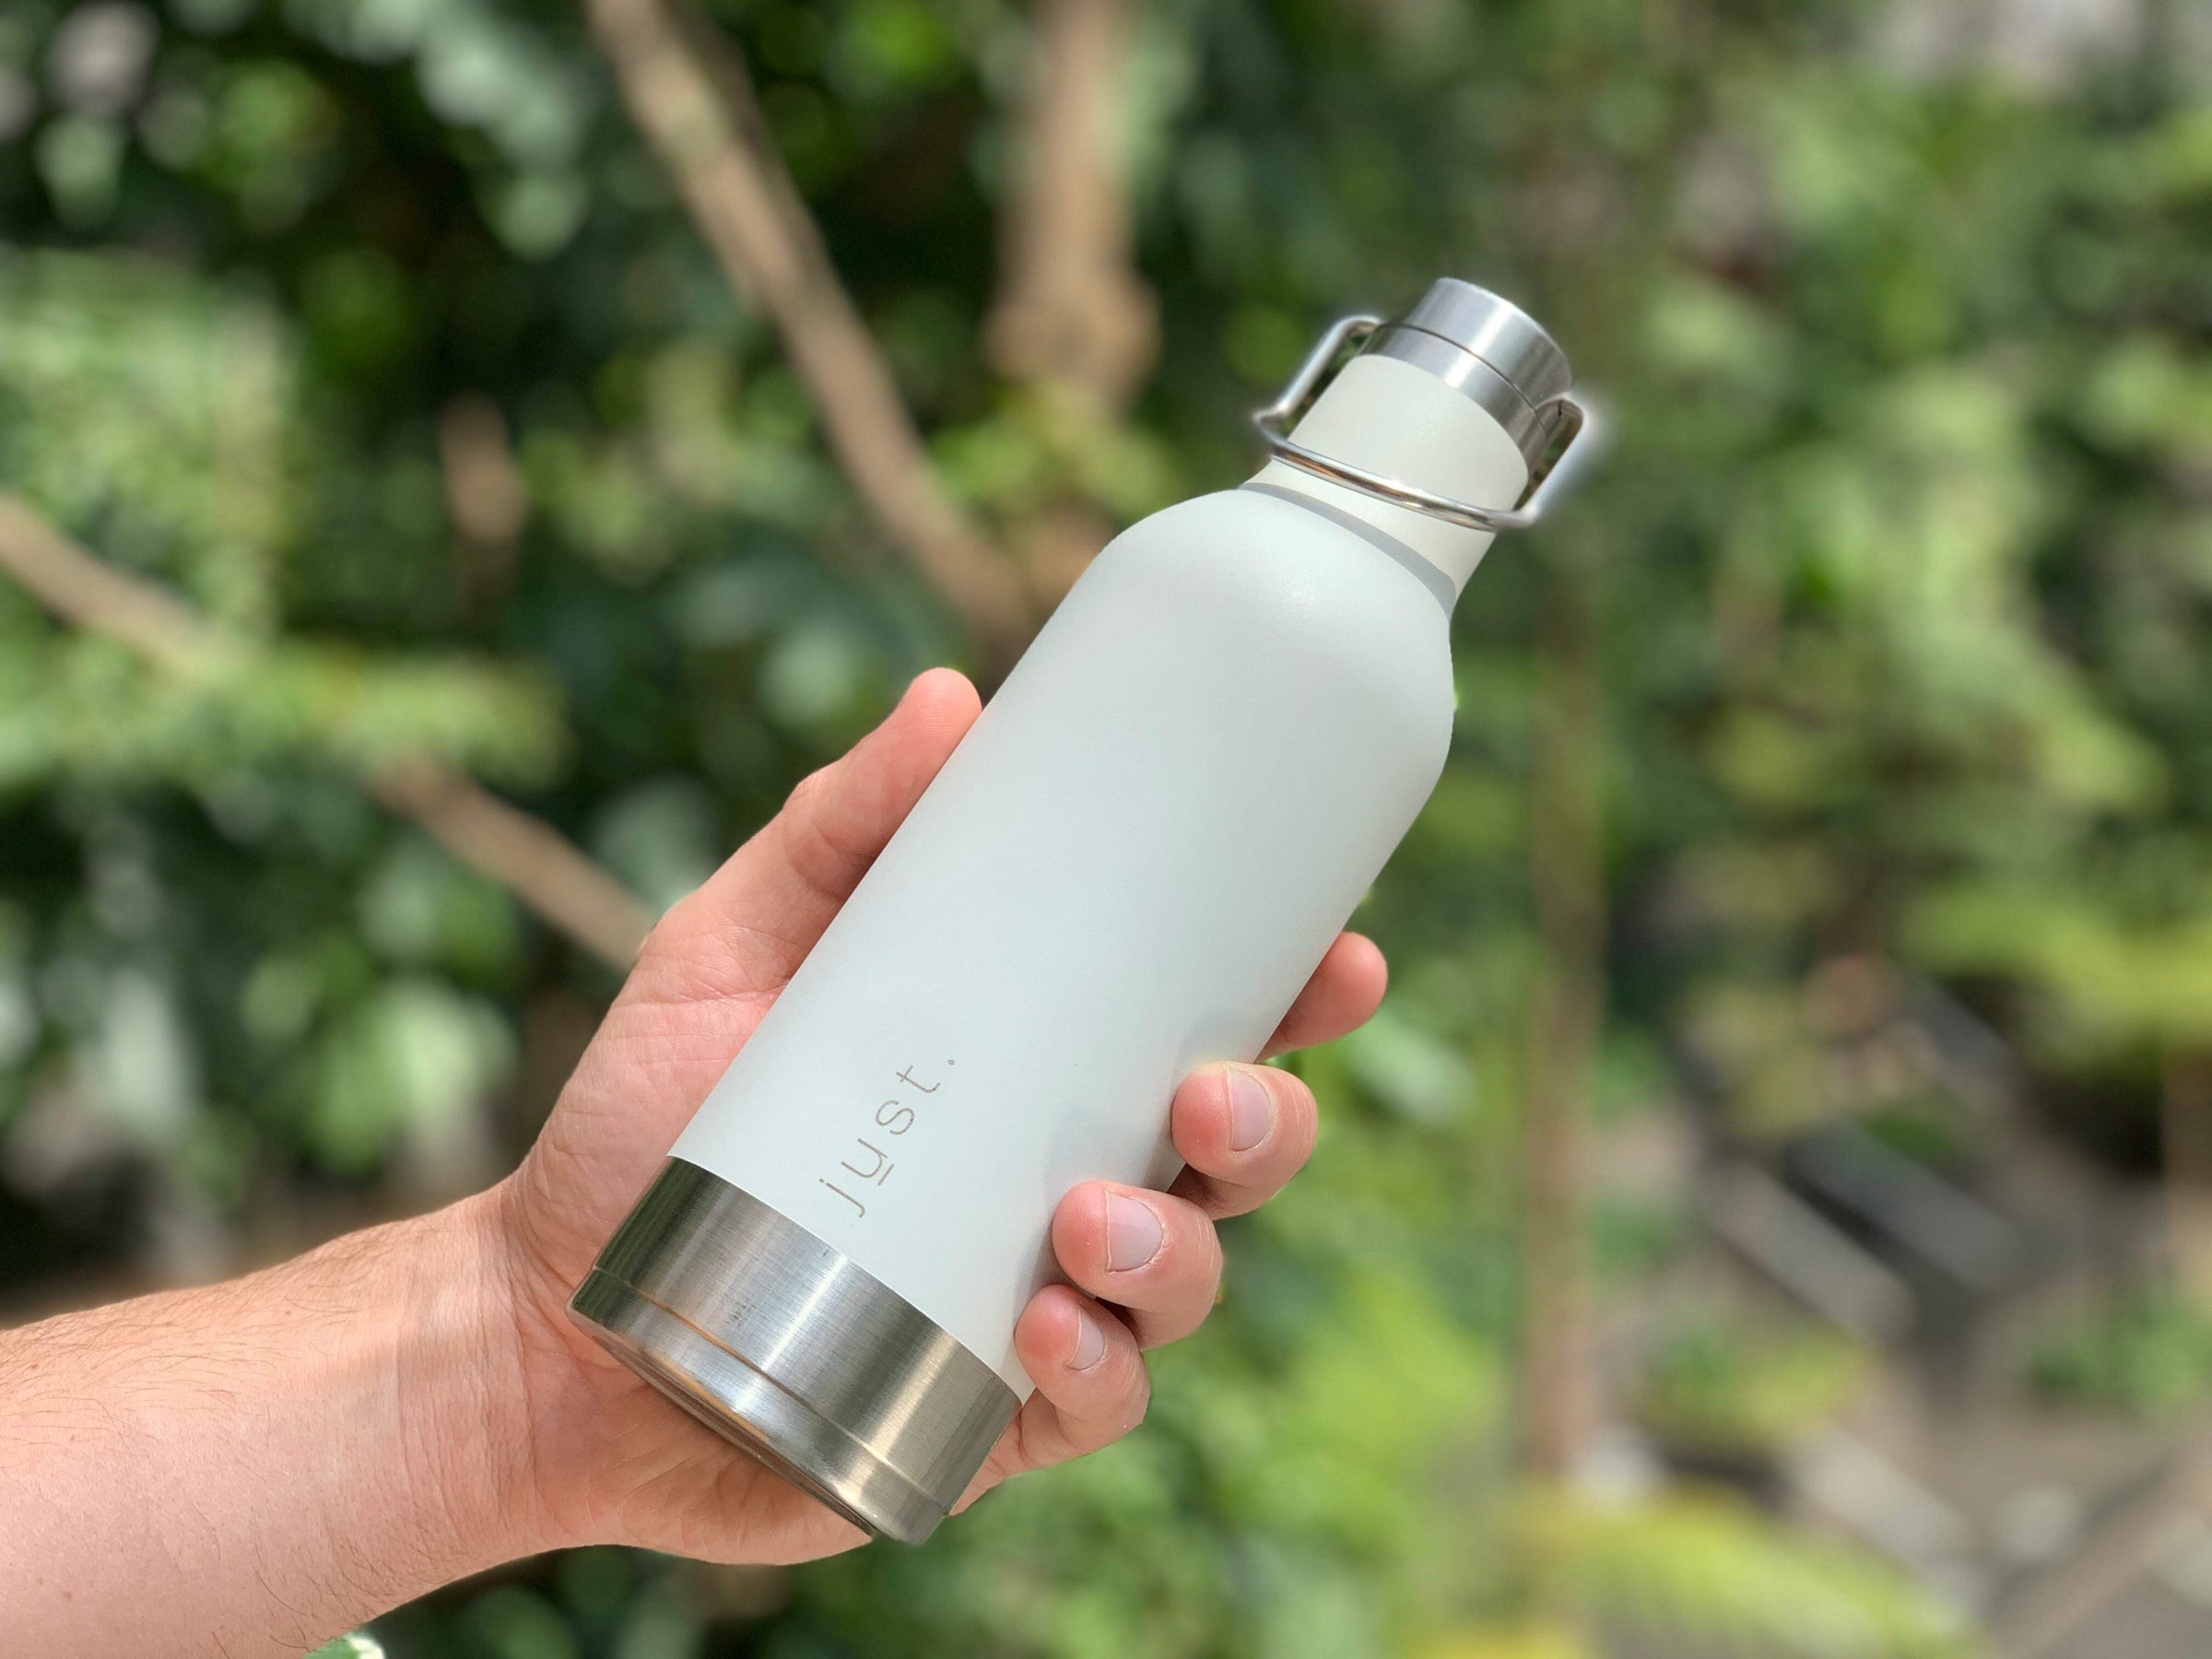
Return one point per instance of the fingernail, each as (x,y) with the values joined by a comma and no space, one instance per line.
(1091,1343)
(1131,1233)
(1250,1110)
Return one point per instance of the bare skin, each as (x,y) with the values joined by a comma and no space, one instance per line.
(255,1467)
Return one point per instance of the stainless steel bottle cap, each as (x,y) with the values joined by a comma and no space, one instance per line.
(1490,351)
(1497,331)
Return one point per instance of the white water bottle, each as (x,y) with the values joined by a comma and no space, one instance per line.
(1126,870)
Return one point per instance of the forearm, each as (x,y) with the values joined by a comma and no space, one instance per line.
(258,1466)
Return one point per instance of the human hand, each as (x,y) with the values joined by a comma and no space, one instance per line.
(597,1455)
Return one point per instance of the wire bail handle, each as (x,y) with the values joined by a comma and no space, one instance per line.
(1545,490)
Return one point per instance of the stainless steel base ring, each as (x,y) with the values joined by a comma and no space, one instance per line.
(794,1352)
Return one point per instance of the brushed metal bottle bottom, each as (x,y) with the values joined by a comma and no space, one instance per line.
(794,1352)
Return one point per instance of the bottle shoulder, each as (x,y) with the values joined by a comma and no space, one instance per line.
(1250,572)
(1269,547)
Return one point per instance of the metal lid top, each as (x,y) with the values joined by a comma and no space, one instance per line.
(1492,352)
(1499,332)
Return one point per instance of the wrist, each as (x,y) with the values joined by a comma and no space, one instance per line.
(462,1341)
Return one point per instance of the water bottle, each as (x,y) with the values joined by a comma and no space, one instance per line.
(1127,870)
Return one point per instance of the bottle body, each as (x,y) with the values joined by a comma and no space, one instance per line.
(1126,870)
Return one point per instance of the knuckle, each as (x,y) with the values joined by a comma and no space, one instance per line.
(1207,1246)
(1140,1397)
(808,791)
(1301,1119)
(666,939)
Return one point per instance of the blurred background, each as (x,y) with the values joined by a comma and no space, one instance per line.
(462,461)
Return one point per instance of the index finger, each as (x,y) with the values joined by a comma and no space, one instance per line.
(1344,993)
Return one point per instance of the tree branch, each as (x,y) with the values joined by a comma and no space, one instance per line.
(1567,881)
(531,859)
(1073,320)
(1072,313)
(100,598)
(486,500)
(688,93)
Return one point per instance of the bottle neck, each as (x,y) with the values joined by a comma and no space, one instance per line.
(1399,421)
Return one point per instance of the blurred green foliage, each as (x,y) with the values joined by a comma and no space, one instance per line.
(1902,568)
(1702,1569)
(1746,1388)
(2149,1354)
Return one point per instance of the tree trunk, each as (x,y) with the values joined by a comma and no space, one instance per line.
(2185,1131)
(1567,881)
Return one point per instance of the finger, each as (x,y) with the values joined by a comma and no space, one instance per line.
(1153,1256)
(755,918)
(1344,993)
(1242,1131)
(1091,1385)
